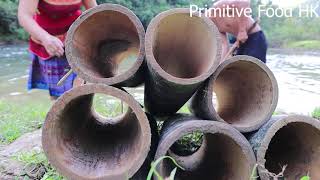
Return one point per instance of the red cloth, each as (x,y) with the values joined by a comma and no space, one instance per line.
(54,16)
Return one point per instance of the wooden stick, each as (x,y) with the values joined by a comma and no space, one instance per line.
(237,43)
(231,50)
(63,79)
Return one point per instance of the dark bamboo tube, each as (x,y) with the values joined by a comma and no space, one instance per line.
(245,91)
(106,45)
(80,144)
(292,141)
(181,53)
(224,153)
(145,168)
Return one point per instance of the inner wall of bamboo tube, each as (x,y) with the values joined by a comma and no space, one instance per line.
(108,44)
(244,93)
(95,147)
(222,158)
(184,46)
(296,145)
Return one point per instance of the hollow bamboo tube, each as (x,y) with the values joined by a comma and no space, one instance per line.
(242,92)
(181,53)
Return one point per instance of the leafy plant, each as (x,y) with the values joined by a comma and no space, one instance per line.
(9,27)
(188,144)
(37,166)
(107,106)
(153,170)
(316,113)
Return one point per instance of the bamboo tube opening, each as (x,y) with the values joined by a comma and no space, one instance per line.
(242,92)
(84,145)
(296,145)
(106,44)
(182,47)
(223,154)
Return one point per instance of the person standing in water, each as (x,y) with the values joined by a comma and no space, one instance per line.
(250,38)
(47,22)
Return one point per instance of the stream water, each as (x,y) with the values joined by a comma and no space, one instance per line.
(298,75)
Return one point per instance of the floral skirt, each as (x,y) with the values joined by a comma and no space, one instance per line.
(45,74)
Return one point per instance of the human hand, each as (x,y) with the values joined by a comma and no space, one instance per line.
(53,45)
(242,37)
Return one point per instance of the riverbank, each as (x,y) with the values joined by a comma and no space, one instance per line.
(293,46)
(308,44)
(13,42)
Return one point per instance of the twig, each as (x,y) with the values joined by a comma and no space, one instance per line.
(237,43)
(63,79)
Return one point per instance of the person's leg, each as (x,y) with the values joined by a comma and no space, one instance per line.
(36,79)
(256,46)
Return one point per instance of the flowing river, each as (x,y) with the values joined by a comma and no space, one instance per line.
(298,75)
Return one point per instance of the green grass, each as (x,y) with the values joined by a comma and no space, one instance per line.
(310,44)
(184,109)
(37,165)
(108,106)
(316,113)
(305,178)
(153,170)
(275,113)
(18,119)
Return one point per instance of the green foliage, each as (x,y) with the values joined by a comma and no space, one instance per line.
(316,113)
(9,28)
(153,170)
(7,16)
(310,44)
(108,106)
(147,9)
(184,109)
(275,113)
(17,119)
(305,178)
(39,165)
(188,144)
(284,32)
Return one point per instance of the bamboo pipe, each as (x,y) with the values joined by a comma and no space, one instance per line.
(80,144)
(288,143)
(106,45)
(224,154)
(145,168)
(242,92)
(181,53)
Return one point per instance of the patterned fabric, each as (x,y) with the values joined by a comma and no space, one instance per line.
(54,16)
(46,75)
